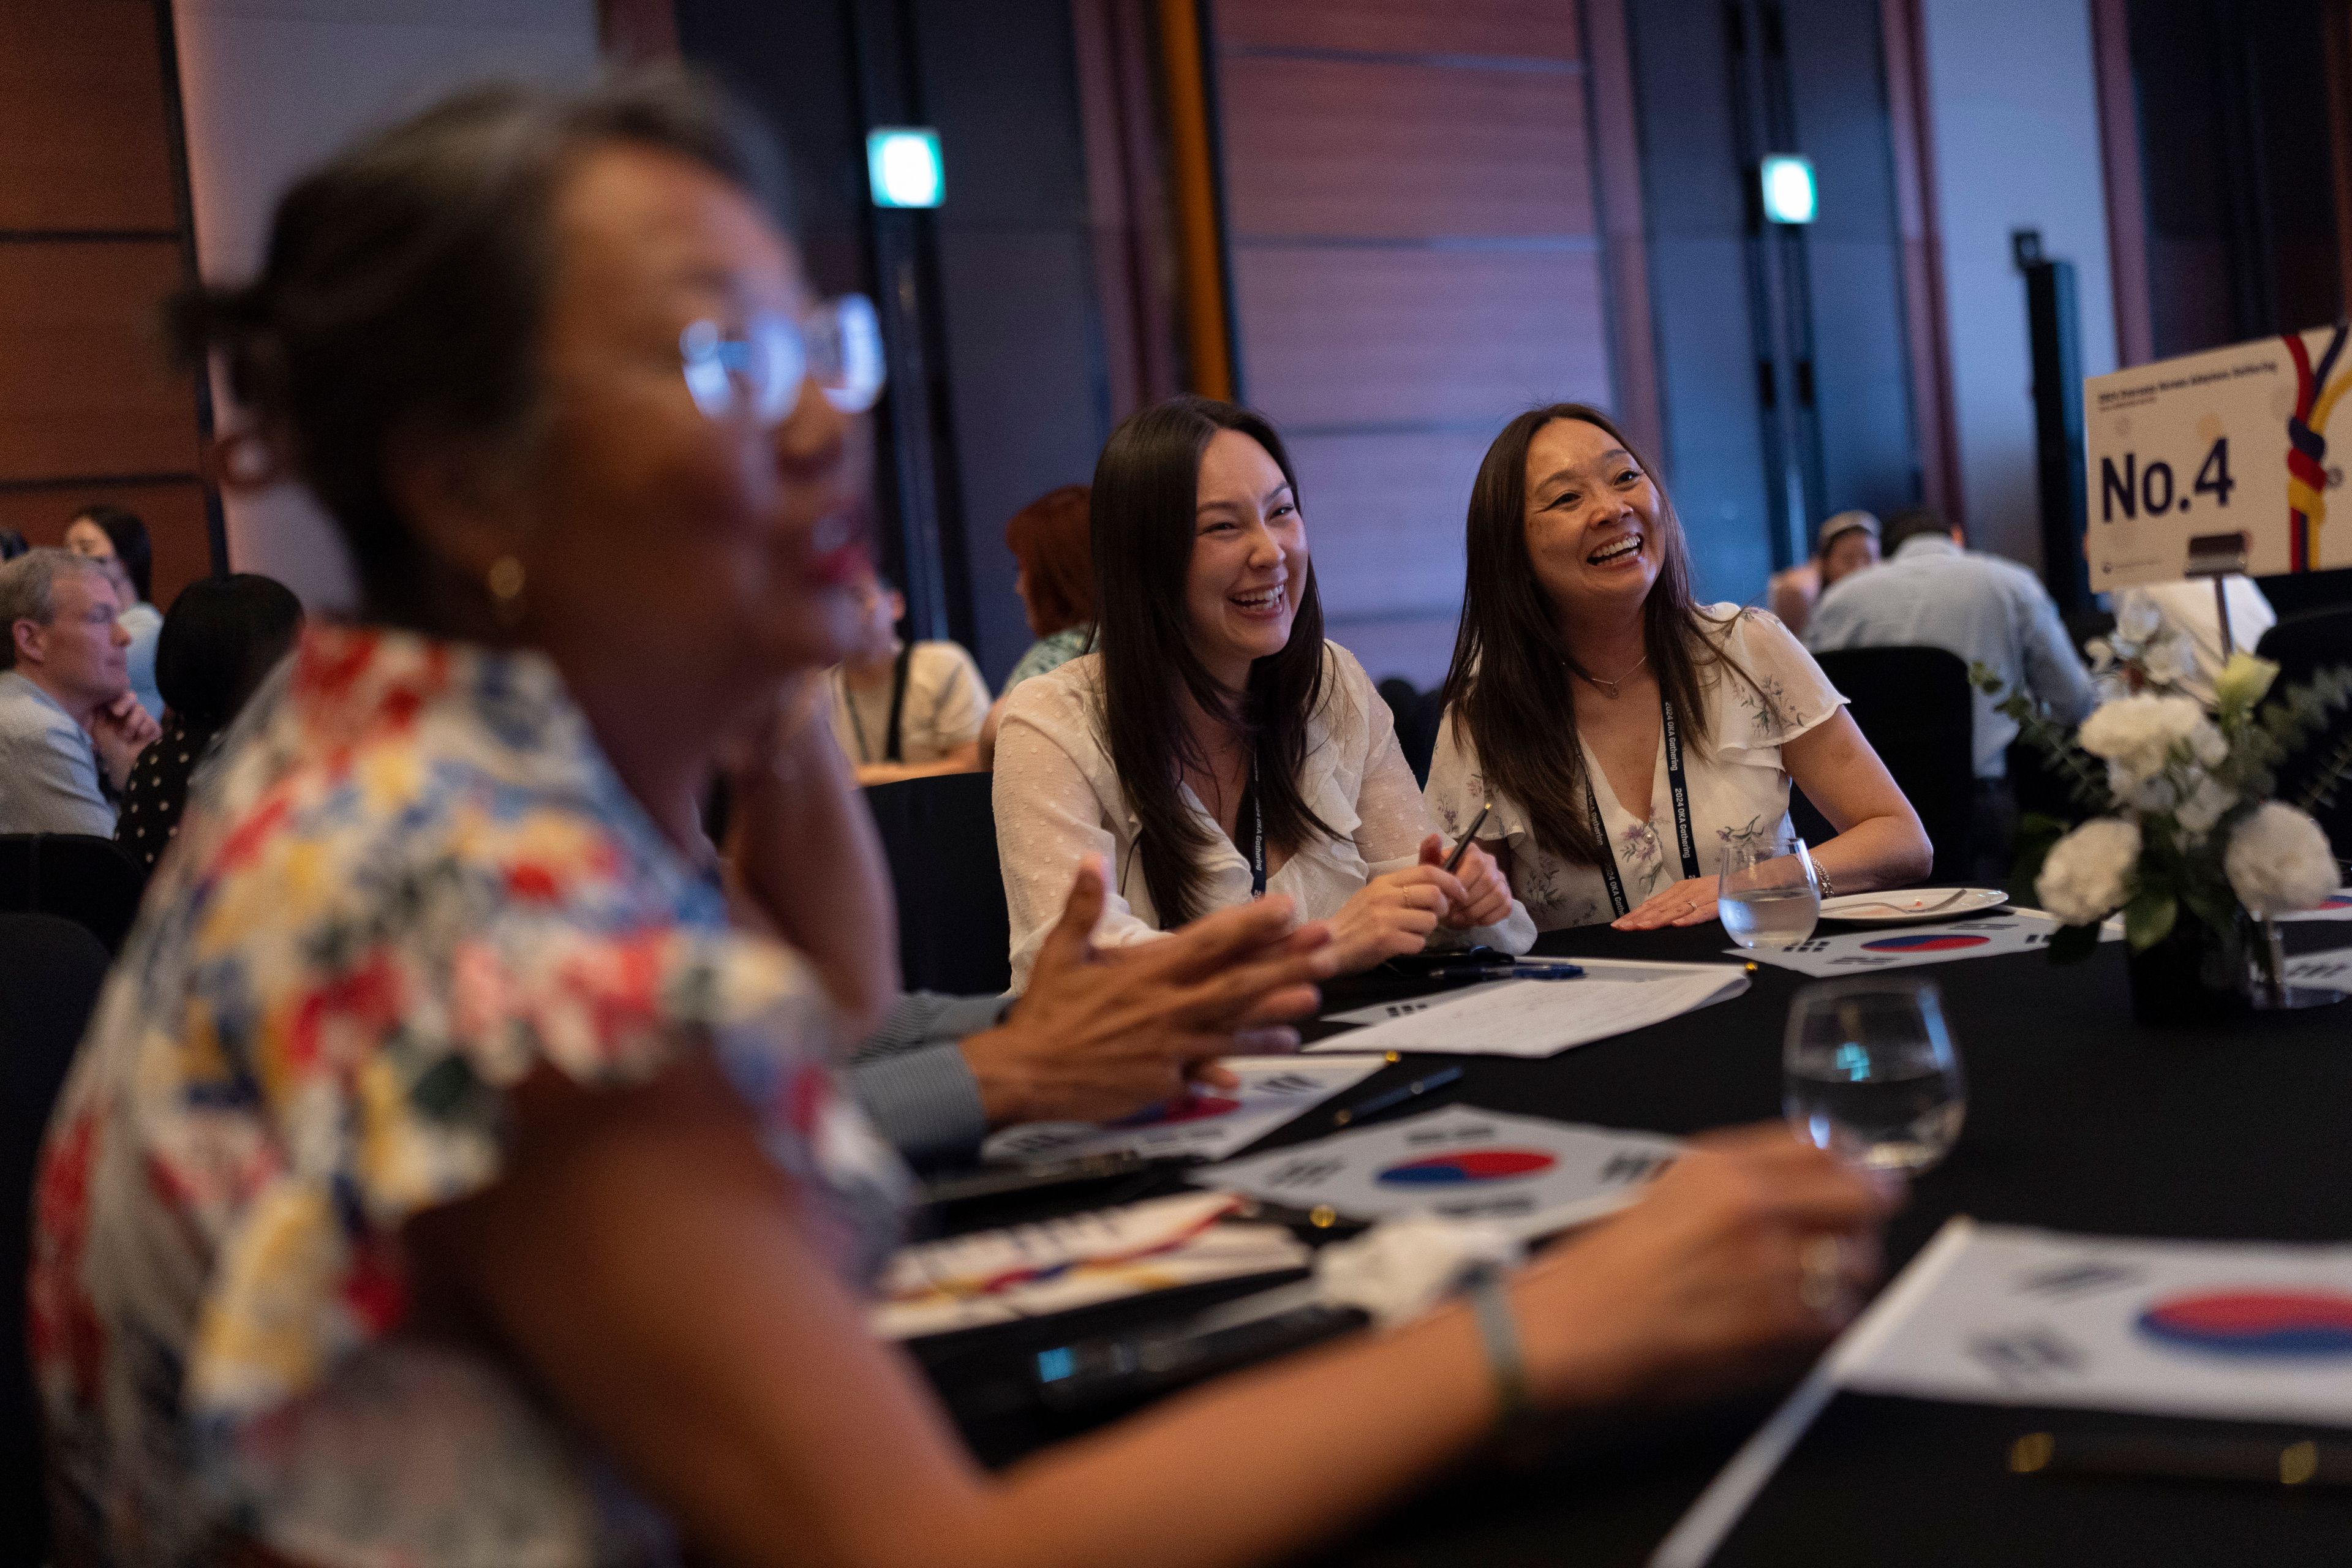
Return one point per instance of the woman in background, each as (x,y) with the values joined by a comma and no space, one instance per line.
(1215,747)
(223,635)
(113,535)
(1056,581)
(1626,733)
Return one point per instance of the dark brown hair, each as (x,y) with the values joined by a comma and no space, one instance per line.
(404,284)
(128,534)
(1510,661)
(1146,490)
(1049,537)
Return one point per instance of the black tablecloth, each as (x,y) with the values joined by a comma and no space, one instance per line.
(2078,1120)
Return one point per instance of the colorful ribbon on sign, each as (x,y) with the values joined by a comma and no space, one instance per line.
(2306,472)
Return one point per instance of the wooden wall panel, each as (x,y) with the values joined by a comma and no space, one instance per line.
(1387,150)
(1410,215)
(83,142)
(1384,515)
(173,513)
(83,388)
(1403,336)
(1522,29)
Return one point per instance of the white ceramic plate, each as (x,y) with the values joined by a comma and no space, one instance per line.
(1907,906)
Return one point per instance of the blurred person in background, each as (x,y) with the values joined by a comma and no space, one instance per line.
(12,544)
(70,727)
(117,537)
(1215,747)
(1931,592)
(1843,545)
(221,637)
(1588,688)
(465,1186)
(904,709)
(1056,581)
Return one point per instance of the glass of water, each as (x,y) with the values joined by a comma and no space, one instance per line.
(1767,895)
(1868,1070)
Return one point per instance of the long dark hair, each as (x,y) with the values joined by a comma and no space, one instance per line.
(132,546)
(221,637)
(1147,486)
(1509,658)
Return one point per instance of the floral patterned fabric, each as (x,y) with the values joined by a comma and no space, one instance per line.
(1738,790)
(409,880)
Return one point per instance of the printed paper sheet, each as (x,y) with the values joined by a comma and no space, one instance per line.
(1209,1123)
(1904,947)
(1541,1017)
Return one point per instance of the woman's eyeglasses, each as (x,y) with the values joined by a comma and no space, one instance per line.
(757,374)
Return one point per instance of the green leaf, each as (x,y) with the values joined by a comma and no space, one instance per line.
(2148,919)
(2071,944)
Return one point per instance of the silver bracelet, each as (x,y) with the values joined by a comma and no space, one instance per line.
(1498,1331)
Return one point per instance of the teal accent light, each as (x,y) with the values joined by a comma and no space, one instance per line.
(1790,196)
(902,164)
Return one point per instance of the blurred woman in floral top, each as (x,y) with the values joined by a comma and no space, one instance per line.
(450,1175)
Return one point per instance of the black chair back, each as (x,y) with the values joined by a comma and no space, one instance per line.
(49,975)
(1915,707)
(89,881)
(2302,646)
(1417,714)
(940,834)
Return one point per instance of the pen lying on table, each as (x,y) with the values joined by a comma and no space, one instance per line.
(1404,1094)
(2168,1458)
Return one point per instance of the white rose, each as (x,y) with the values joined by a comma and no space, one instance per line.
(2138,733)
(2204,806)
(2156,792)
(2138,619)
(2102,652)
(2088,874)
(2279,861)
(2166,661)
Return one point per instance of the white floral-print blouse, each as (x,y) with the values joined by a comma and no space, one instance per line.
(1058,798)
(410,879)
(1738,789)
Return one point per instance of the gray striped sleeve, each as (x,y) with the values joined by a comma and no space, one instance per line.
(912,1082)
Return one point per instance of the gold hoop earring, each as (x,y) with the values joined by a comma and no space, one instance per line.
(505,581)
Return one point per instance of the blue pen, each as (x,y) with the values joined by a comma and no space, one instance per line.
(1401,1095)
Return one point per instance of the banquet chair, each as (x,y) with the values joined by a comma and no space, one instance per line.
(1417,714)
(1915,707)
(50,973)
(2302,646)
(939,836)
(90,882)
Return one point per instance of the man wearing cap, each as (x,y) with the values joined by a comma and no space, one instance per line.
(1844,545)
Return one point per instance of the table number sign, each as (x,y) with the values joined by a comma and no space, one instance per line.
(2220,460)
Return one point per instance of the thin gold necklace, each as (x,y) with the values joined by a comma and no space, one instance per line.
(1612,688)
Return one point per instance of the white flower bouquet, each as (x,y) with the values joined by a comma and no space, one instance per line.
(2182,824)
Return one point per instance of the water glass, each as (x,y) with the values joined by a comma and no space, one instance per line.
(1767,894)
(1868,1070)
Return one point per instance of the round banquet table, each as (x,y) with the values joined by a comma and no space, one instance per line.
(2078,1120)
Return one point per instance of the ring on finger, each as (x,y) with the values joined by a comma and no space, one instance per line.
(1821,1279)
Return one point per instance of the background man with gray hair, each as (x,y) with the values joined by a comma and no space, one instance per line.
(66,706)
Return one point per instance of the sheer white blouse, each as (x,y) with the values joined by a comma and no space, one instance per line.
(1739,788)
(1059,798)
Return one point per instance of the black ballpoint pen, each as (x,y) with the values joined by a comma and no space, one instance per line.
(1403,1094)
(1462,845)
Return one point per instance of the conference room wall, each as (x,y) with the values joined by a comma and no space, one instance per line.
(1414,256)
(92,239)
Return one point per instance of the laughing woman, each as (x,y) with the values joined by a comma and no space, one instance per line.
(1598,705)
(1217,747)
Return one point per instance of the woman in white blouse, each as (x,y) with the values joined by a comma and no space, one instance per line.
(1587,681)
(1215,746)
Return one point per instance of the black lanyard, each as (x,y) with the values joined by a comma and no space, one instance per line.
(892,751)
(1257,814)
(1676,786)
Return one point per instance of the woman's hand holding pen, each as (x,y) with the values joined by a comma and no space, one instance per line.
(1485,898)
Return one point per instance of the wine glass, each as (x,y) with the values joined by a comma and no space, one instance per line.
(1868,1070)
(1767,894)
